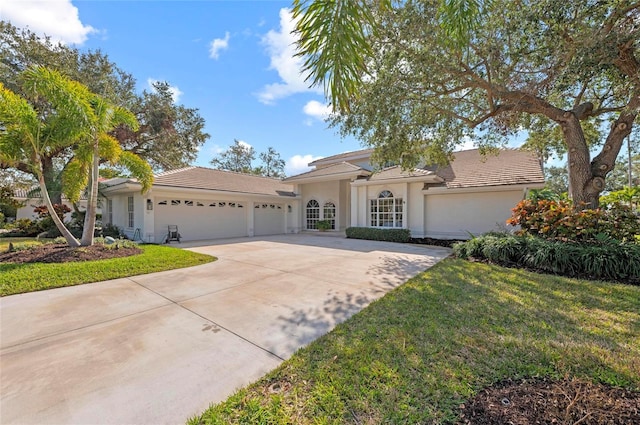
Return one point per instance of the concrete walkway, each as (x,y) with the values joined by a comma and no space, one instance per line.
(159,348)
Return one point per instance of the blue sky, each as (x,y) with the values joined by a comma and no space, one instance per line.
(233,60)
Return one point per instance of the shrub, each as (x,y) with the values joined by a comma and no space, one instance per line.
(111,230)
(24,227)
(1,217)
(629,196)
(119,243)
(606,260)
(323,225)
(558,220)
(373,234)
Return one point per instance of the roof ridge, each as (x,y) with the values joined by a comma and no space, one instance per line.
(338,155)
(175,170)
(238,173)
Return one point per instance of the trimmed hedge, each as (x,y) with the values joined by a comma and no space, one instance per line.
(609,260)
(373,234)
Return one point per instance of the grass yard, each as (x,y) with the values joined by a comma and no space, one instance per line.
(20,278)
(418,353)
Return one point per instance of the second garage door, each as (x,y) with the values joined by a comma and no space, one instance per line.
(268,219)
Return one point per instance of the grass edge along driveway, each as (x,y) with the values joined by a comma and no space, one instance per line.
(21,278)
(419,352)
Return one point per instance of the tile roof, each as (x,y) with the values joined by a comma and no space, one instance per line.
(340,169)
(511,166)
(228,181)
(396,172)
(35,194)
(335,158)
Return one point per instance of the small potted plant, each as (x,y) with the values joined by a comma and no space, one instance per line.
(324,225)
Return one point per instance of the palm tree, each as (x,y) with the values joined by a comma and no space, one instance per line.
(61,113)
(58,116)
(101,146)
(335,45)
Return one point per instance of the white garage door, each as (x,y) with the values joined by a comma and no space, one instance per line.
(201,219)
(268,219)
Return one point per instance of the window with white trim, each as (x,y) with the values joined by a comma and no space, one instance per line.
(386,210)
(130,212)
(329,213)
(110,211)
(313,214)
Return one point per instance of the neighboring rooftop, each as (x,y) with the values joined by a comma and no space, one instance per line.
(35,194)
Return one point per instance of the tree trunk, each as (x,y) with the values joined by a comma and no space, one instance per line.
(50,178)
(92,201)
(583,188)
(71,240)
(587,178)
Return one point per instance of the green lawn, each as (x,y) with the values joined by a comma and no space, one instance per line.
(419,352)
(20,278)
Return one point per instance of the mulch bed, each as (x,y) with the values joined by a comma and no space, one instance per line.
(546,401)
(62,253)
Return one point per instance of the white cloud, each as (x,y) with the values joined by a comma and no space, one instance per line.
(244,144)
(317,110)
(57,19)
(467,144)
(175,91)
(281,48)
(299,164)
(219,44)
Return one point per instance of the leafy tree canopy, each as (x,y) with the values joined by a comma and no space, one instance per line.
(169,134)
(240,156)
(565,72)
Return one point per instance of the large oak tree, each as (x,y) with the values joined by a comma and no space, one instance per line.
(169,134)
(416,78)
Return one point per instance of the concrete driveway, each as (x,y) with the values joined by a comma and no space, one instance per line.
(159,348)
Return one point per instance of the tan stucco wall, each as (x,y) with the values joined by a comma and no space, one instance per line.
(332,191)
(415,207)
(120,213)
(406,191)
(457,215)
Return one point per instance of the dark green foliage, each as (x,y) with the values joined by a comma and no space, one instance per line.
(24,227)
(111,230)
(606,260)
(323,225)
(387,235)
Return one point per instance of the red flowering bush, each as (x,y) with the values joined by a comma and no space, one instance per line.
(60,210)
(558,220)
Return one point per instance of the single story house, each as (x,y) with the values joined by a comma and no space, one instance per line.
(472,195)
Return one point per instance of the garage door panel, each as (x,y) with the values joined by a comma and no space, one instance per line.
(268,219)
(198,220)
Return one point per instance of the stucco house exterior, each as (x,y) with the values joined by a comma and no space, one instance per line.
(472,195)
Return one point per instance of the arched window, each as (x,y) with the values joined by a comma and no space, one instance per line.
(313,214)
(329,213)
(386,210)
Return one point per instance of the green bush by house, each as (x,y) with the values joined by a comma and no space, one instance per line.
(607,260)
(387,235)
